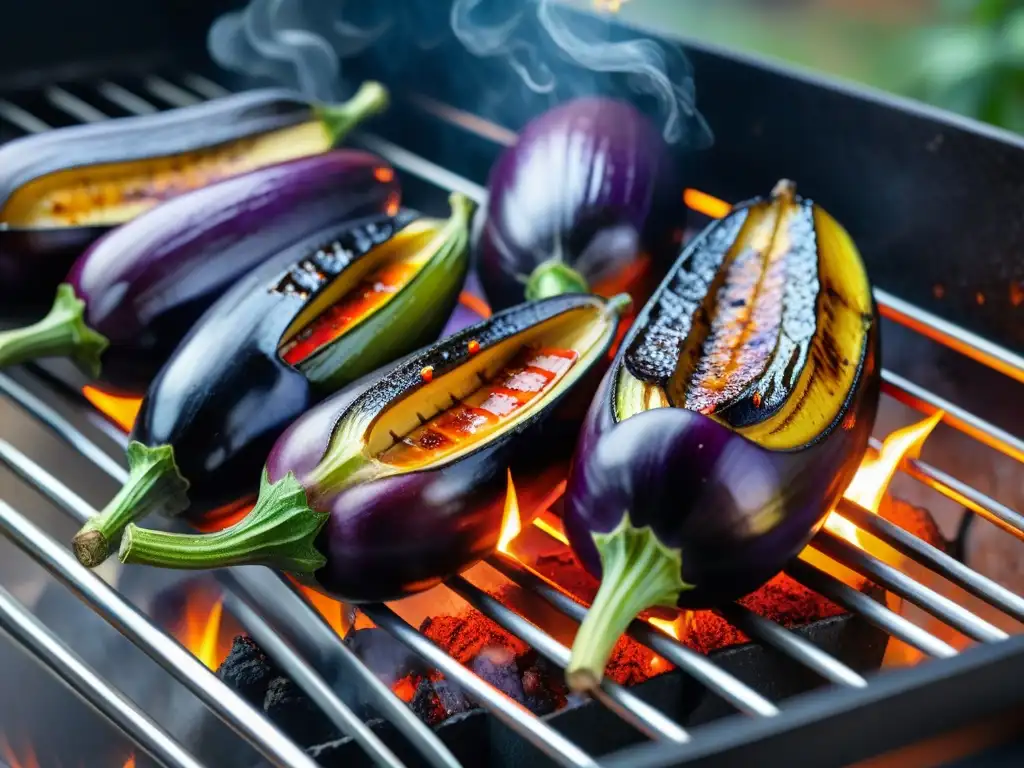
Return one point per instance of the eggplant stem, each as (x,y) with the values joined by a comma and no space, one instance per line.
(638,572)
(62,333)
(279,532)
(339,119)
(154,485)
(554,278)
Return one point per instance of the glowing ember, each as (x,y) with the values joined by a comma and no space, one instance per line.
(704,203)
(875,472)
(511,523)
(120,410)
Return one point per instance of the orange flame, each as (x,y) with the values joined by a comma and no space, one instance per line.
(130,762)
(27,759)
(201,631)
(511,523)
(332,611)
(675,628)
(552,529)
(875,473)
(120,410)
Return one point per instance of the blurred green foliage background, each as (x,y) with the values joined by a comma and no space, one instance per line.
(963,55)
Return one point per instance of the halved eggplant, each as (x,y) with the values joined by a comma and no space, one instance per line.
(732,420)
(269,350)
(387,489)
(62,189)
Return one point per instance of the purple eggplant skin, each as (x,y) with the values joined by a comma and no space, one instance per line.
(146,283)
(586,200)
(33,261)
(704,488)
(390,537)
(375,549)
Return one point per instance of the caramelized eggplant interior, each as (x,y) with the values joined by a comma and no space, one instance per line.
(361,290)
(464,409)
(113,193)
(775,348)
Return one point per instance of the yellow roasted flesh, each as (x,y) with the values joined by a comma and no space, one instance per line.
(112,193)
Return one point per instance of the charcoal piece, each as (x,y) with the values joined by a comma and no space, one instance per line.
(498,667)
(426,704)
(437,700)
(543,685)
(248,670)
(387,658)
(451,698)
(287,706)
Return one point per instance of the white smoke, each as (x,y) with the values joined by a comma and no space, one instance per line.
(303,43)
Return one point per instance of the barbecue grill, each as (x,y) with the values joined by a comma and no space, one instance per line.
(932,201)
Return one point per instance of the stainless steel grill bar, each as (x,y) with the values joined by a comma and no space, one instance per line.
(61,427)
(125,99)
(896,581)
(891,622)
(21,118)
(793,645)
(204,86)
(239,580)
(741,696)
(174,95)
(73,106)
(930,557)
(949,335)
(309,681)
(232,708)
(34,638)
(510,712)
(919,398)
(942,482)
(638,713)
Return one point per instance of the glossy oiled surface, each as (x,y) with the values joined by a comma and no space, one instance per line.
(110,193)
(147,282)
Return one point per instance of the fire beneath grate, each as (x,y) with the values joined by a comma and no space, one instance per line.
(519,671)
(486,624)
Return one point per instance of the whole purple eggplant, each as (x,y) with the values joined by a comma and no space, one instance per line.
(732,419)
(586,200)
(132,297)
(355,497)
(62,189)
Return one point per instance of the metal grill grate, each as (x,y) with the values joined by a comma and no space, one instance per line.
(267,606)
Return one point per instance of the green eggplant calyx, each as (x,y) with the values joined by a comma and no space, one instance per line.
(154,485)
(62,333)
(279,532)
(553,278)
(339,119)
(638,572)
(338,470)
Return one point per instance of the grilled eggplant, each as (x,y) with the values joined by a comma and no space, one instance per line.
(131,298)
(325,312)
(61,190)
(387,489)
(732,419)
